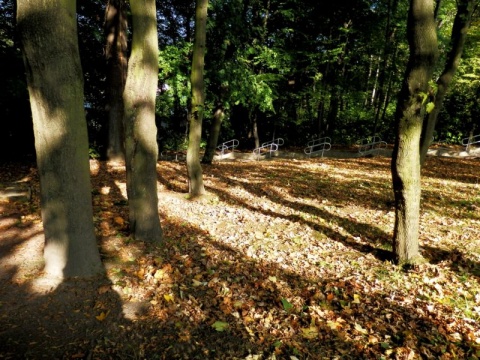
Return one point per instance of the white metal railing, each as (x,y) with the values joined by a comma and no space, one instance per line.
(371,145)
(467,142)
(227,145)
(318,146)
(277,141)
(267,148)
(173,155)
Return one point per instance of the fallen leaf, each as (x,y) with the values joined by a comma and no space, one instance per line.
(310,332)
(360,329)
(102,316)
(168,297)
(286,305)
(220,325)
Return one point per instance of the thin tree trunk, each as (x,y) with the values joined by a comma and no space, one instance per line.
(367,82)
(141,150)
(214,134)
(194,168)
(387,50)
(116,56)
(422,38)
(458,37)
(256,137)
(48,33)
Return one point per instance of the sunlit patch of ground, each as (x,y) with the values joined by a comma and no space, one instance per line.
(283,257)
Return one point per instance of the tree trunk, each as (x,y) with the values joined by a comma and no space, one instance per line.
(214,134)
(197,110)
(390,33)
(255,135)
(141,149)
(48,33)
(116,56)
(422,38)
(458,37)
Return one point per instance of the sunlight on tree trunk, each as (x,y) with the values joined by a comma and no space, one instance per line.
(141,149)
(48,32)
(422,39)
(194,168)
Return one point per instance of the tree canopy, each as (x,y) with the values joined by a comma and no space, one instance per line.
(297,68)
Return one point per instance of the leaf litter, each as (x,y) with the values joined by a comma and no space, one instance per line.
(282,259)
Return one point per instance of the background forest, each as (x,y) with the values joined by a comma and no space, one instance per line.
(294,69)
(289,258)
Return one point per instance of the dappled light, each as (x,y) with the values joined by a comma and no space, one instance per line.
(285,258)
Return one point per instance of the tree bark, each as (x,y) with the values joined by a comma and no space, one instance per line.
(422,38)
(141,149)
(460,28)
(214,134)
(116,56)
(48,33)
(194,168)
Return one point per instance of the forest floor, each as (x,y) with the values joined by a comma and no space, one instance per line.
(283,259)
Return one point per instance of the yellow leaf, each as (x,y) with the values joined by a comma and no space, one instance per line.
(102,315)
(310,332)
(356,299)
(159,274)
(334,325)
(360,329)
(196,282)
(168,297)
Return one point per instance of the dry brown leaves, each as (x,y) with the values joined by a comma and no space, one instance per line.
(291,259)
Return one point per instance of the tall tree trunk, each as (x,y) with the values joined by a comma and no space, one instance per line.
(214,134)
(197,110)
(48,33)
(116,56)
(458,37)
(422,39)
(380,96)
(255,135)
(141,149)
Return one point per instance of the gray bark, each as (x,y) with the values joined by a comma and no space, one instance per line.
(141,151)
(422,38)
(55,83)
(194,168)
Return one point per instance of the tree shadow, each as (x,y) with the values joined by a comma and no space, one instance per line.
(217,282)
(351,230)
(195,280)
(453,169)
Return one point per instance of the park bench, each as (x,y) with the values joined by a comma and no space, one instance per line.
(371,145)
(468,142)
(268,148)
(318,146)
(228,145)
